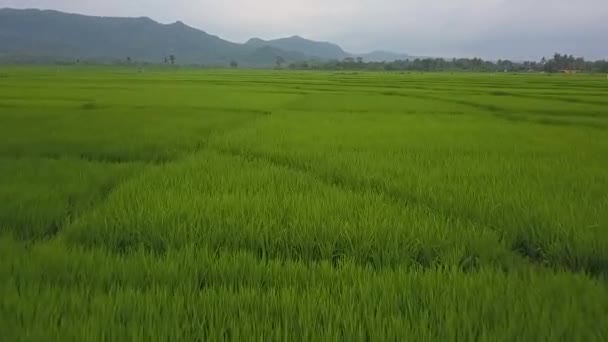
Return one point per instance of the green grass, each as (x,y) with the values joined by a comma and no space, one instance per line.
(275,205)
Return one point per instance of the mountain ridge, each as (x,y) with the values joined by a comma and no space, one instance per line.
(322,50)
(52,34)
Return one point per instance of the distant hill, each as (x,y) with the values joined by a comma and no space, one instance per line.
(320,50)
(56,34)
(52,34)
(46,35)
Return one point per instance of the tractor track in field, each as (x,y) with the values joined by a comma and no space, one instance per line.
(90,158)
(521,245)
(539,116)
(72,213)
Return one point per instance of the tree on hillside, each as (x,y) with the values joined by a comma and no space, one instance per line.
(172,59)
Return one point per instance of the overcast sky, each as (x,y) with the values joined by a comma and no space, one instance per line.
(516,29)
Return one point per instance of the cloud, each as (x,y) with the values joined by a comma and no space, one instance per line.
(488,28)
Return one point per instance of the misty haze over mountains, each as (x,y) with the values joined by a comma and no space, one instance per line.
(48,35)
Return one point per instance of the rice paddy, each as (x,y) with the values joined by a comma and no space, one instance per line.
(278,205)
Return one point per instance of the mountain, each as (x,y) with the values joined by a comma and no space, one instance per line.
(63,36)
(45,36)
(383,56)
(320,50)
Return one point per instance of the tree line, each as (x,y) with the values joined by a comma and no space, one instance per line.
(558,63)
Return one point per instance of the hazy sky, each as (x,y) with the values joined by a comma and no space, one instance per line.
(517,29)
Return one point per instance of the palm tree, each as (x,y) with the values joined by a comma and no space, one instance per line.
(172,58)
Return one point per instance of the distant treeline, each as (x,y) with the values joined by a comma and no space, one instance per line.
(559,63)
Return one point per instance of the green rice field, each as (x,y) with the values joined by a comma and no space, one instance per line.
(205,205)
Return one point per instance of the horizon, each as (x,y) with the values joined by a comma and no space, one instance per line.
(580,41)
